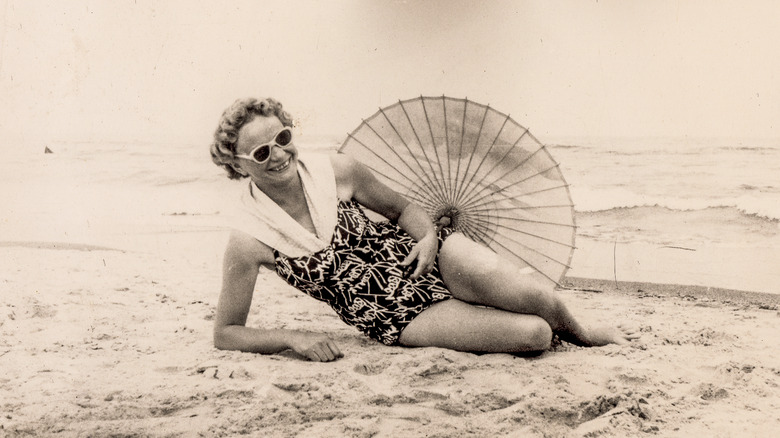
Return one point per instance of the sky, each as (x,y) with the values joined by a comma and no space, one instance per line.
(163,72)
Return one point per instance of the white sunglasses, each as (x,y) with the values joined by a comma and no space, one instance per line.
(262,153)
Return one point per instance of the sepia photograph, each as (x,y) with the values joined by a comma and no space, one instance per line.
(389,218)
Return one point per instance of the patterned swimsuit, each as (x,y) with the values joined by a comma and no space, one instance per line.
(359,277)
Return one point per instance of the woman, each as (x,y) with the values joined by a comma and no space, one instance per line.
(398,282)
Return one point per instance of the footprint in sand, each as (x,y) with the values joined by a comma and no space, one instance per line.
(39,310)
(370,369)
(435,370)
(709,392)
(295,386)
(708,337)
(488,402)
(217,371)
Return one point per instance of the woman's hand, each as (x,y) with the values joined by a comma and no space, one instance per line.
(424,252)
(370,193)
(314,346)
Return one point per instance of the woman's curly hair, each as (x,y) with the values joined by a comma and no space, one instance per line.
(242,111)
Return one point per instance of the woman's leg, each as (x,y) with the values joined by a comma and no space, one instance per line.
(461,326)
(475,274)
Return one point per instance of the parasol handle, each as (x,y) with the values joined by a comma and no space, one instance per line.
(446,218)
(442,222)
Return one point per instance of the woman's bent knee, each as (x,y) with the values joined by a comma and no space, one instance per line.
(539,336)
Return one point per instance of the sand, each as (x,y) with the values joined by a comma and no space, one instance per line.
(105,342)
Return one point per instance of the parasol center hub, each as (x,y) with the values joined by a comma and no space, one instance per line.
(448,217)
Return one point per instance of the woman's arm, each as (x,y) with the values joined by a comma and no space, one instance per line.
(415,221)
(243,257)
(371,193)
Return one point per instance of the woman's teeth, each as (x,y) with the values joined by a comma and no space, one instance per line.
(282,166)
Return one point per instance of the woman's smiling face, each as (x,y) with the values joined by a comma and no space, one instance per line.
(282,161)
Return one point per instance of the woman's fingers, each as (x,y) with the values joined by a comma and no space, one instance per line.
(315,346)
(411,257)
(424,253)
(422,269)
(324,352)
(335,349)
(425,261)
(630,332)
(313,355)
(319,355)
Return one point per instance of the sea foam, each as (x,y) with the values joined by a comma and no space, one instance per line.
(761,205)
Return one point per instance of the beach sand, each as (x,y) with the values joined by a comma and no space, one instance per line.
(104,342)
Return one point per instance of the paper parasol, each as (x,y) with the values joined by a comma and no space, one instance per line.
(477,170)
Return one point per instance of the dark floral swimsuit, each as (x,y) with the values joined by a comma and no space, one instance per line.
(359,277)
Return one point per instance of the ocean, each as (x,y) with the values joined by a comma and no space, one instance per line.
(695,197)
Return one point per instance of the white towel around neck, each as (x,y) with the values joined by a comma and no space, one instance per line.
(263,219)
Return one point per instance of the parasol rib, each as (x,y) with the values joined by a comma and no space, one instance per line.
(385,161)
(543,190)
(517,166)
(493,144)
(400,158)
(471,156)
(433,143)
(470,224)
(501,189)
(483,222)
(524,194)
(525,207)
(499,161)
(487,223)
(417,197)
(428,160)
(525,261)
(460,149)
(392,125)
(567,245)
(536,251)
(477,235)
(516,219)
(423,193)
(531,221)
(447,143)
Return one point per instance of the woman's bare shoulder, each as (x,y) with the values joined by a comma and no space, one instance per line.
(245,249)
(343,164)
(343,169)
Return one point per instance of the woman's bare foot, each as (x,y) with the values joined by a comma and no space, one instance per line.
(604,335)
